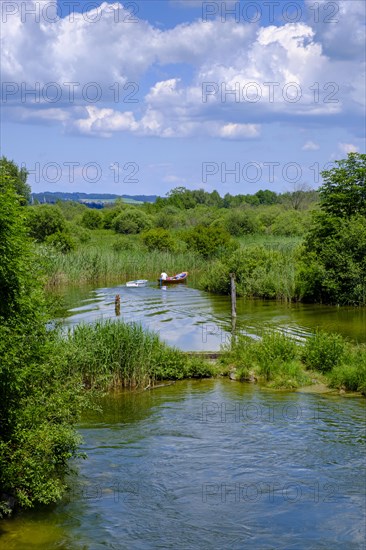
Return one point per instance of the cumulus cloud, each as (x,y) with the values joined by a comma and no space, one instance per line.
(257,74)
(340,27)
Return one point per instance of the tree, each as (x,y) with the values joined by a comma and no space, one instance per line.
(343,192)
(334,261)
(38,403)
(18,179)
(300,196)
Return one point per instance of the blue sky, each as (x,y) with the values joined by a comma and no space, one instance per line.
(143,96)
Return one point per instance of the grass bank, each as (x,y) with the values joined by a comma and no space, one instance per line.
(280,362)
(111,354)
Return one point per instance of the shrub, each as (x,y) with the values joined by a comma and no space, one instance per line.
(273,351)
(351,374)
(207,240)
(241,222)
(92,219)
(125,244)
(45,220)
(324,351)
(131,221)
(62,241)
(159,239)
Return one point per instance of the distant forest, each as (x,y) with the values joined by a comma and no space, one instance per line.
(94,200)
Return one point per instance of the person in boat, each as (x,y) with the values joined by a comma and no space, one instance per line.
(163,276)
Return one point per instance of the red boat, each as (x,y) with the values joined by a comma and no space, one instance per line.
(180,278)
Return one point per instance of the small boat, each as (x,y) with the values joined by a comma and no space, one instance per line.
(180,278)
(139,282)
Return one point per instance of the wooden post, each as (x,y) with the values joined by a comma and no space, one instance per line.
(233,307)
(117,305)
(233,295)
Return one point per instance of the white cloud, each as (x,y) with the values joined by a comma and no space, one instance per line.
(310,146)
(347,148)
(259,62)
(237,131)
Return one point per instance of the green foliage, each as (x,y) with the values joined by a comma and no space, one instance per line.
(274,358)
(343,192)
(199,368)
(324,351)
(259,271)
(17,177)
(351,374)
(290,222)
(131,221)
(275,349)
(71,210)
(62,241)
(83,234)
(92,219)
(266,197)
(126,244)
(333,267)
(15,252)
(110,353)
(38,405)
(159,239)
(109,215)
(208,241)
(241,222)
(45,220)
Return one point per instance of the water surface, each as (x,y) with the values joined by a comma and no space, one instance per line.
(194,320)
(211,464)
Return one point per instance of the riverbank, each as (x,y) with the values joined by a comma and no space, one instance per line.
(280,362)
(116,354)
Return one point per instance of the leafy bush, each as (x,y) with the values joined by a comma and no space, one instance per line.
(241,222)
(208,240)
(125,244)
(92,219)
(290,222)
(259,272)
(62,241)
(83,235)
(159,239)
(324,351)
(199,368)
(351,374)
(335,252)
(45,220)
(131,221)
(274,350)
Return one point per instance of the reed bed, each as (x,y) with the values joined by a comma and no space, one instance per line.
(111,354)
(102,265)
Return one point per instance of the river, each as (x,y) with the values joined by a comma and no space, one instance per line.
(197,321)
(210,464)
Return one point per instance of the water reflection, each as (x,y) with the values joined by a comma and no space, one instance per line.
(195,320)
